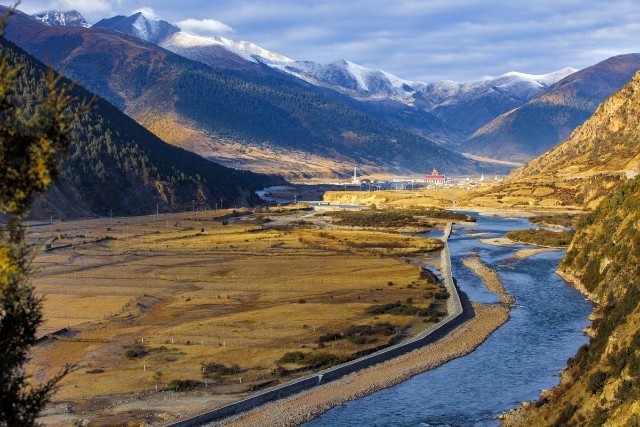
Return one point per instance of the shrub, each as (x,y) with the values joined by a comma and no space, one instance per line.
(292,357)
(319,360)
(322,360)
(214,370)
(566,414)
(398,308)
(184,385)
(597,382)
(599,417)
(136,350)
(363,334)
(330,336)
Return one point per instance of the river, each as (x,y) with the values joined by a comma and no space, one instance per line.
(519,360)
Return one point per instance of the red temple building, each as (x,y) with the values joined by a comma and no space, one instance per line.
(435,177)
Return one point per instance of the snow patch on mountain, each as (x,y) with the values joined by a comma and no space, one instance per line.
(544,80)
(69,18)
(182,41)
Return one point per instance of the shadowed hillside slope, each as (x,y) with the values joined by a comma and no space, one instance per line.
(542,123)
(115,165)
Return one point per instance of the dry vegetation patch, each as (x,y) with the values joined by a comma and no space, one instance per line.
(542,237)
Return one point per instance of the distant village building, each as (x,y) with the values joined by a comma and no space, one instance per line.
(435,178)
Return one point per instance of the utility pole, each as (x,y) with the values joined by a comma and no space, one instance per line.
(220,203)
(50,226)
(111,217)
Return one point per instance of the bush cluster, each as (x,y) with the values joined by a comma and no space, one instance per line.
(399,308)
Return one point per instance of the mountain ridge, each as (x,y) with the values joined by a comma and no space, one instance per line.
(459,107)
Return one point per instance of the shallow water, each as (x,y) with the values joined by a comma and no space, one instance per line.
(519,360)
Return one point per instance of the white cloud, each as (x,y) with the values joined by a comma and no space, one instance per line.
(207,26)
(147,11)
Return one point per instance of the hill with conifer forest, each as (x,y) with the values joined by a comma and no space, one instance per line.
(602,382)
(116,165)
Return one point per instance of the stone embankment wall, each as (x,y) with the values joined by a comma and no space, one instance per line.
(454,318)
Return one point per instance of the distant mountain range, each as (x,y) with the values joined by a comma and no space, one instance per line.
(258,121)
(460,107)
(513,117)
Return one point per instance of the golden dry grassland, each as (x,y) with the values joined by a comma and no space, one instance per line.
(153,299)
(510,196)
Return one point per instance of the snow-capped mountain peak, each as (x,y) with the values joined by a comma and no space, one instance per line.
(141,25)
(69,18)
(542,79)
(188,44)
(198,47)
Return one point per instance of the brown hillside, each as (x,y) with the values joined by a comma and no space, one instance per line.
(597,156)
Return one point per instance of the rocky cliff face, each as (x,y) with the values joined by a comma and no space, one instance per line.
(602,382)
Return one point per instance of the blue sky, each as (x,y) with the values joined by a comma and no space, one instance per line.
(424,40)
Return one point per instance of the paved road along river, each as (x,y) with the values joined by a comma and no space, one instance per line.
(518,361)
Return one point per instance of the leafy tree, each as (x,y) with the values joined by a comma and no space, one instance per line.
(31,142)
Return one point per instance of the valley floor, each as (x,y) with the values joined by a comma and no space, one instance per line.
(144,305)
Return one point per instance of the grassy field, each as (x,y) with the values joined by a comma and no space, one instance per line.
(150,302)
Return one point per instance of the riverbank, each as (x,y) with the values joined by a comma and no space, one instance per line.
(310,404)
(522,253)
(490,278)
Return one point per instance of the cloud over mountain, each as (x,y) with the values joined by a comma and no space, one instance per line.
(204,26)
